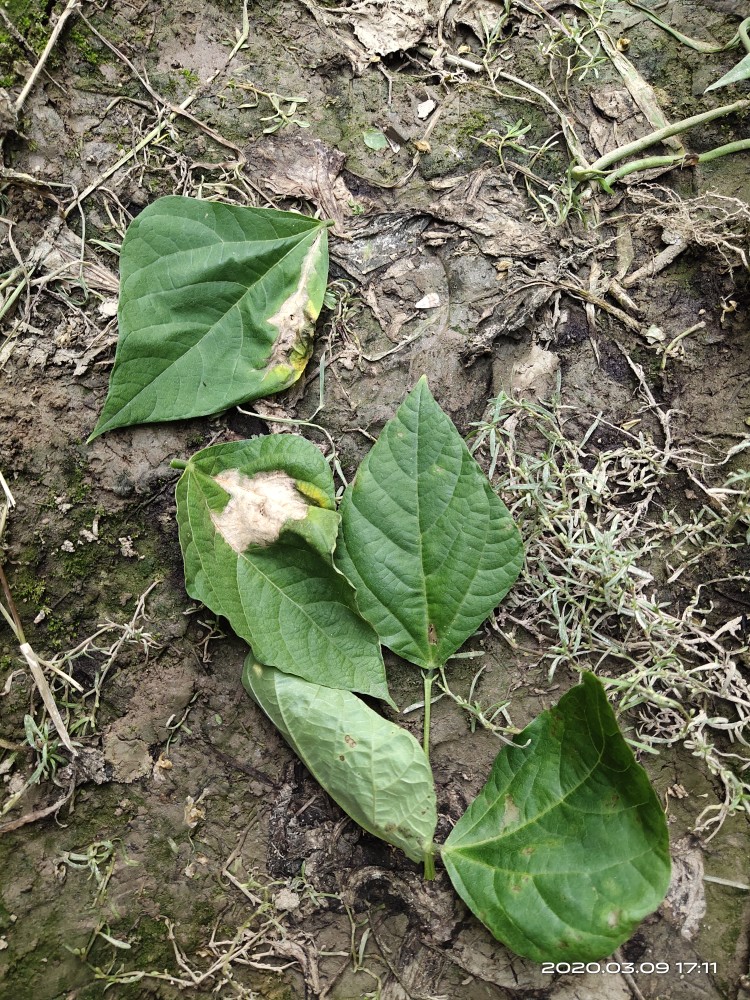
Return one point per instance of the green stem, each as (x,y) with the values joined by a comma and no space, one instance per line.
(693,43)
(429,863)
(583,173)
(12,297)
(428,676)
(177,463)
(649,162)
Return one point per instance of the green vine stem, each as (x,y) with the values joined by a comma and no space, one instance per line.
(429,863)
(694,43)
(597,168)
(649,162)
(428,677)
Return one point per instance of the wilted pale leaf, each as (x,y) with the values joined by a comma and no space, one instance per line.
(374,769)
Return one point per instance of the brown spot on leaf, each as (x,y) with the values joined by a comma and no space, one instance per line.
(511,815)
(432,634)
(258,509)
(350,742)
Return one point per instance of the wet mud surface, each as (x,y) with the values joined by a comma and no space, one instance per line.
(189,852)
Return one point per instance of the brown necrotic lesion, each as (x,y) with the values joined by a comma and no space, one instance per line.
(296,316)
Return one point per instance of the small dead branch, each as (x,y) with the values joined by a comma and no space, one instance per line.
(175,111)
(37,814)
(656,265)
(18,37)
(70,10)
(588,298)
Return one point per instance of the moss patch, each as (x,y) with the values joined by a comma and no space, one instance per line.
(30,19)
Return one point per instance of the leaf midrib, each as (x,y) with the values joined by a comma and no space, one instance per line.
(295,240)
(218,239)
(433,663)
(532,876)
(246,289)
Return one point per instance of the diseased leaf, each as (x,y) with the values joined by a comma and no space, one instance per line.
(428,546)
(217,307)
(374,769)
(565,849)
(257,529)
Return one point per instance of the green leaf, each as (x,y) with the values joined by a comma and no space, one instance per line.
(217,307)
(425,541)
(565,849)
(738,73)
(374,769)
(374,139)
(742,70)
(257,530)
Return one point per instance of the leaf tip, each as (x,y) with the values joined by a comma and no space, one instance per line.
(389,701)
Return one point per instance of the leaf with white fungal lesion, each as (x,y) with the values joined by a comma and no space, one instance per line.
(217,306)
(298,311)
(258,527)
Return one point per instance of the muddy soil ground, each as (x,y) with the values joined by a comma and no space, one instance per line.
(185,851)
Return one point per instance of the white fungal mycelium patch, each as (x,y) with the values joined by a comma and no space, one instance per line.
(258,509)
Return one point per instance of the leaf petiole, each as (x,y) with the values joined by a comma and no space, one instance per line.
(429,864)
(428,676)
